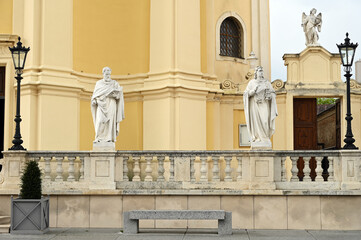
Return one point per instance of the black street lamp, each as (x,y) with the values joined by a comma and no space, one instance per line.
(347,52)
(19,56)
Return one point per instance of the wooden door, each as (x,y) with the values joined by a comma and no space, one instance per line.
(305,123)
(305,131)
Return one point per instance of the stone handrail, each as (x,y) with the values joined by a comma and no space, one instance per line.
(187,171)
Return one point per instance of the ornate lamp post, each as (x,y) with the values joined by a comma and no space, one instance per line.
(347,52)
(19,56)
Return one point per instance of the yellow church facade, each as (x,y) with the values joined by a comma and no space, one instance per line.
(183,90)
(166,55)
(183,66)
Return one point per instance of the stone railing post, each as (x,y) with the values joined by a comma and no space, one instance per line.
(203,170)
(331,177)
(102,170)
(136,169)
(283,169)
(319,169)
(59,168)
(228,170)
(192,168)
(71,177)
(47,170)
(350,170)
(239,168)
(160,168)
(306,169)
(148,169)
(262,170)
(13,162)
(215,170)
(294,169)
(171,168)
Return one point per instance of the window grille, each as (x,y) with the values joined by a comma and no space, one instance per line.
(230,38)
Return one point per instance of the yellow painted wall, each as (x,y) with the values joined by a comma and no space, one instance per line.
(210,126)
(203,36)
(111,33)
(6,16)
(87,132)
(238,118)
(130,129)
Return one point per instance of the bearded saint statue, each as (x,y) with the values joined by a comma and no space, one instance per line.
(107,107)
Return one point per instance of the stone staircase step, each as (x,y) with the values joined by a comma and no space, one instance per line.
(4,220)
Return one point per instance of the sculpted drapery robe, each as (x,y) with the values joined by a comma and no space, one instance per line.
(108,110)
(260,110)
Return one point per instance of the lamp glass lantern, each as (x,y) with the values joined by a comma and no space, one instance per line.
(347,52)
(19,55)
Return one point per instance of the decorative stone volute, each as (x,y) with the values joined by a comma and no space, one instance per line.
(278,84)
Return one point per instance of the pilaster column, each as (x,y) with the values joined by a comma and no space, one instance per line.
(51,92)
(174,107)
(261,34)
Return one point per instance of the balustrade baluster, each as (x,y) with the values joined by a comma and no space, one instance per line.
(125,169)
(47,169)
(228,170)
(283,169)
(81,170)
(331,177)
(215,170)
(59,169)
(171,169)
(294,169)
(71,177)
(160,168)
(136,169)
(203,169)
(319,170)
(239,168)
(193,179)
(307,169)
(148,169)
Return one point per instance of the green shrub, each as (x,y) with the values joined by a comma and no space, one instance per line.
(321,101)
(31,181)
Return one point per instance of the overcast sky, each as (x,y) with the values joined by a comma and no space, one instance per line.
(287,36)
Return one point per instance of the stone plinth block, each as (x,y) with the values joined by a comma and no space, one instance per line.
(102,170)
(103,146)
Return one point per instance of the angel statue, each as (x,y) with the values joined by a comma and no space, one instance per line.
(309,24)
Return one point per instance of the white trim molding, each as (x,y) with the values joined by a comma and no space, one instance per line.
(243,37)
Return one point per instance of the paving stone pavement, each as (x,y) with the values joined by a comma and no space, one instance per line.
(186,234)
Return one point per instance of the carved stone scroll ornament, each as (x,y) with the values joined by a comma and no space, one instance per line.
(278,84)
(355,85)
(230,87)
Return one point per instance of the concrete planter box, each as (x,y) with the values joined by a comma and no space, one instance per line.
(29,216)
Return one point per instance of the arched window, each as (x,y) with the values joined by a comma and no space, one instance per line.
(230,38)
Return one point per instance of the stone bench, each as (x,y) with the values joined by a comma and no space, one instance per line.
(131,218)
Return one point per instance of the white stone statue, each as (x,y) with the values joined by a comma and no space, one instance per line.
(309,24)
(107,106)
(261,110)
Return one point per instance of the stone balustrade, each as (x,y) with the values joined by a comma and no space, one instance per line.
(175,172)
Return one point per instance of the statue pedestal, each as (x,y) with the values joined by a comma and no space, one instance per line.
(263,145)
(104,146)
